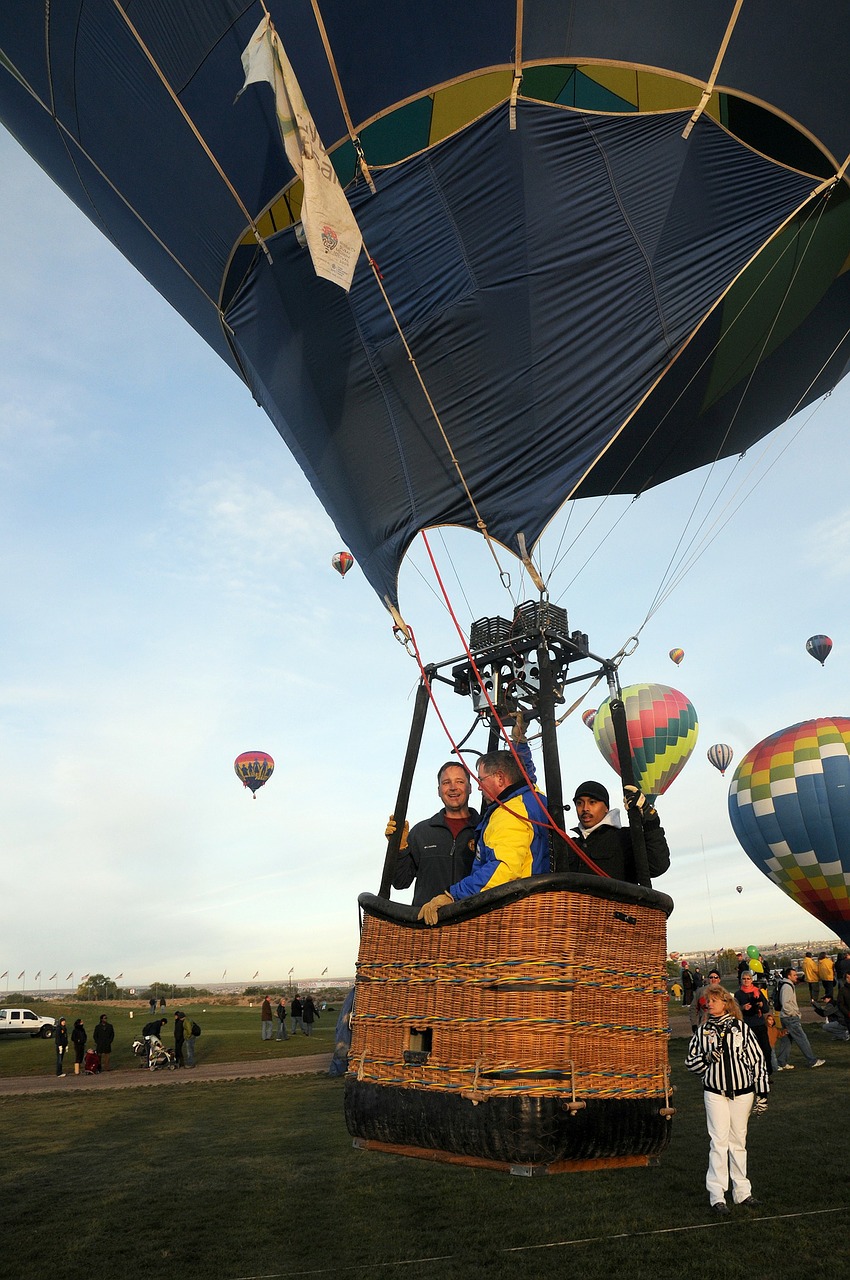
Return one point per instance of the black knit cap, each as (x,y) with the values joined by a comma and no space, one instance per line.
(594,791)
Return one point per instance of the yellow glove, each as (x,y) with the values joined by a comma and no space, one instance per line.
(391,830)
(428,913)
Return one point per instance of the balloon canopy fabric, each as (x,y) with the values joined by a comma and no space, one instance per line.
(663,731)
(587,277)
(789,803)
(720,755)
(819,647)
(254,768)
(589,716)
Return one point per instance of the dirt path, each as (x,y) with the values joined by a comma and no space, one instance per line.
(140,1077)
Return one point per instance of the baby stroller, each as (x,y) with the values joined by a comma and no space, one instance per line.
(91,1062)
(158,1057)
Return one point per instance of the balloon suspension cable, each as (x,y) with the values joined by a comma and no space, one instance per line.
(531,567)
(708,89)
(349,123)
(672,577)
(517,80)
(207,150)
(479,520)
(550,822)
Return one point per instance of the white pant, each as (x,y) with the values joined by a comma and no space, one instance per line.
(727,1130)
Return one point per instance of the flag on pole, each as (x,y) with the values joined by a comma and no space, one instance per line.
(187,975)
(83,978)
(256,975)
(37,976)
(52,977)
(20,975)
(69,977)
(4,974)
(118,975)
(324,971)
(224,975)
(333,236)
(291,970)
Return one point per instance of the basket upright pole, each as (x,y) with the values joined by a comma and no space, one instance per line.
(627,776)
(414,741)
(551,759)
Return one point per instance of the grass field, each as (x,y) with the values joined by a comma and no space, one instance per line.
(258,1178)
(229,1033)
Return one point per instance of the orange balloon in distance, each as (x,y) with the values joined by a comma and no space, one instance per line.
(254,768)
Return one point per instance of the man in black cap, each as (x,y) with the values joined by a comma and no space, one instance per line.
(607,843)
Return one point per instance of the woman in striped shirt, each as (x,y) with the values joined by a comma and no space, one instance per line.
(727,1055)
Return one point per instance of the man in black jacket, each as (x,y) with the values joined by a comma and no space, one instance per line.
(609,844)
(439,851)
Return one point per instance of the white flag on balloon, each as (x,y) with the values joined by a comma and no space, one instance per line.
(333,236)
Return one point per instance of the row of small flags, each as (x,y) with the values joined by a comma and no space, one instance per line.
(70,976)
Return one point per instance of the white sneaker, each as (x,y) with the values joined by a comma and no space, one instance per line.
(819,1062)
(789,1066)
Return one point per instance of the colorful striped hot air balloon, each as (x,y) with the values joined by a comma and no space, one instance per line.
(789,803)
(663,732)
(342,562)
(720,755)
(254,768)
(677,655)
(589,716)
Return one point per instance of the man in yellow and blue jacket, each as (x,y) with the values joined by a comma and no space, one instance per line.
(513,838)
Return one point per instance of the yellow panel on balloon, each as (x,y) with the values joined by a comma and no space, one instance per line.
(456,105)
(662,93)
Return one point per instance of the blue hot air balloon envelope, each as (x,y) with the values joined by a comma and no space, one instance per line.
(588,277)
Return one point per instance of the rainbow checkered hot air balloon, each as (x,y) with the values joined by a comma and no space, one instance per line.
(663,732)
(789,803)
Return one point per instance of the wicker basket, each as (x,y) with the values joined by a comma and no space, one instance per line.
(529,1028)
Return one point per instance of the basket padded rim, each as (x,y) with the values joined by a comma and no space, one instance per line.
(491,899)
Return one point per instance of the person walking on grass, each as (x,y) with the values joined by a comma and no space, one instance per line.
(826,974)
(280,1011)
(60,1040)
(724,1051)
(266,1019)
(297,1015)
(191,1031)
(78,1039)
(792,1022)
(179,1038)
(309,1014)
(104,1034)
(810,972)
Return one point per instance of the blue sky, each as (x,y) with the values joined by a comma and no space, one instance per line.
(168,602)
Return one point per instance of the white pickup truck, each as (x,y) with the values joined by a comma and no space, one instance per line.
(25,1022)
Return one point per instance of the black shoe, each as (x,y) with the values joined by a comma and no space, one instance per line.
(749,1203)
(720,1206)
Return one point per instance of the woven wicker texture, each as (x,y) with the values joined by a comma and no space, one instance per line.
(556,995)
